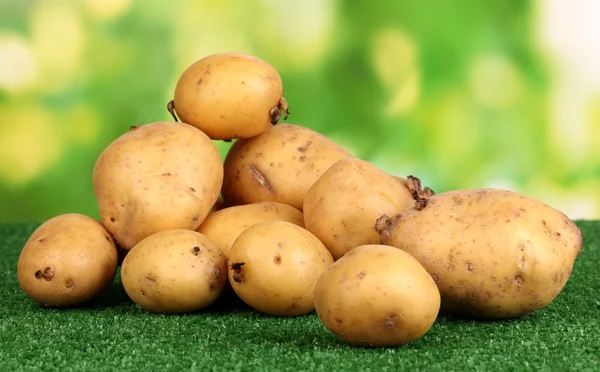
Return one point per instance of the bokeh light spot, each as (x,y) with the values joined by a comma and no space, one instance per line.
(18,65)
(30,143)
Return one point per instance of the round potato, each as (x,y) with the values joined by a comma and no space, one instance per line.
(278,165)
(230,95)
(493,253)
(67,261)
(156,177)
(377,295)
(274,265)
(224,226)
(174,271)
(342,206)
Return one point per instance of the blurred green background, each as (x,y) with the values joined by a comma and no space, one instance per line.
(462,94)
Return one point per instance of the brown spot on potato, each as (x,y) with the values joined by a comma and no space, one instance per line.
(142,292)
(451,289)
(470,266)
(260,177)
(238,274)
(151,278)
(304,147)
(42,240)
(192,189)
(46,274)
(196,250)
(361,275)
(338,321)
(389,324)
(558,234)
(70,283)
(166,174)
(435,278)
(134,127)
(277,259)
(199,81)
(195,218)
(451,263)
(518,279)
(112,219)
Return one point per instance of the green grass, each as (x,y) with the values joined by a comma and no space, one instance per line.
(112,333)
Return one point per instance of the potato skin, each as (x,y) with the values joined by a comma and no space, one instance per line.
(228,95)
(224,226)
(493,253)
(278,165)
(67,261)
(274,265)
(342,206)
(156,177)
(174,271)
(377,295)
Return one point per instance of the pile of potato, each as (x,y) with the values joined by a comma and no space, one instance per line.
(291,223)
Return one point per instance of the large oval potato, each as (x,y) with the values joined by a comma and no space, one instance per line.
(156,177)
(224,226)
(67,261)
(377,295)
(493,253)
(278,165)
(274,266)
(230,95)
(174,271)
(342,206)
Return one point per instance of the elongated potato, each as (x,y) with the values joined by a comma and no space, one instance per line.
(341,208)
(278,165)
(377,295)
(67,261)
(493,253)
(156,177)
(224,226)
(274,266)
(174,271)
(230,95)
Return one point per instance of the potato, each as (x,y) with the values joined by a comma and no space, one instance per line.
(174,271)
(278,165)
(493,253)
(230,95)
(156,177)
(224,226)
(274,265)
(377,295)
(342,206)
(67,261)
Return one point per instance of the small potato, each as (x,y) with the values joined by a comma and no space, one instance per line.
(274,265)
(342,206)
(278,165)
(156,177)
(174,271)
(377,295)
(67,261)
(493,253)
(230,95)
(224,226)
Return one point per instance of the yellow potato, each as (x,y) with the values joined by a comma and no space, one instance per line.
(278,165)
(67,261)
(230,95)
(156,177)
(174,271)
(493,253)
(224,226)
(341,208)
(377,295)
(274,265)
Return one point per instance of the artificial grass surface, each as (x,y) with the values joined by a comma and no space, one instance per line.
(112,333)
